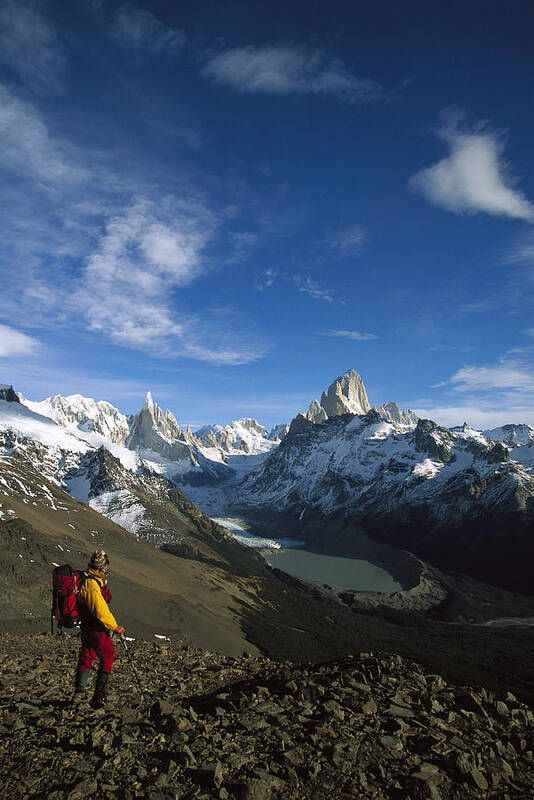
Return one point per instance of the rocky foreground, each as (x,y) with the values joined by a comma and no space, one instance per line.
(212,726)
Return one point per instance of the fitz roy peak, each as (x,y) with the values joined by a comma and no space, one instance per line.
(346,395)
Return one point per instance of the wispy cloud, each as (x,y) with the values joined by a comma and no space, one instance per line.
(507,374)
(474,177)
(138,252)
(522,254)
(451,348)
(144,255)
(477,415)
(27,147)
(288,69)
(308,286)
(492,394)
(348,241)
(30,46)
(138,30)
(16,343)
(303,283)
(267,279)
(355,335)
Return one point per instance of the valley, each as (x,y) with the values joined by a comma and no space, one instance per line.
(178,511)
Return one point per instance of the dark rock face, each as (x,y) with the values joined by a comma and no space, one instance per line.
(7,393)
(368,726)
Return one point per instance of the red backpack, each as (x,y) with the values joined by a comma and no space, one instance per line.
(66,583)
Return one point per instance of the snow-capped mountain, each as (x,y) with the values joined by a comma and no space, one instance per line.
(513,435)
(460,497)
(352,462)
(83,415)
(452,497)
(245,436)
(41,462)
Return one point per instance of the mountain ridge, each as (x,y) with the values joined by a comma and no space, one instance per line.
(409,482)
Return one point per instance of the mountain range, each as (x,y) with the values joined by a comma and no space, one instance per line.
(457,497)
(83,476)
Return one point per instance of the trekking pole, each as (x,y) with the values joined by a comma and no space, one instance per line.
(123,640)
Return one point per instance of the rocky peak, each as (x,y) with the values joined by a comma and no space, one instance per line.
(155,430)
(316,412)
(299,424)
(250,424)
(346,395)
(151,416)
(7,393)
(149,402)
(392,413)
(278,432)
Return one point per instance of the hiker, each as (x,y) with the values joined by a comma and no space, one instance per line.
(96,622)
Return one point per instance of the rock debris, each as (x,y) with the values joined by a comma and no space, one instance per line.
(366,727)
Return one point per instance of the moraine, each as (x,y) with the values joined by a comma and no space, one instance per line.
(290,556)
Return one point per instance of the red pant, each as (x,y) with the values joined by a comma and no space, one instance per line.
(96,644)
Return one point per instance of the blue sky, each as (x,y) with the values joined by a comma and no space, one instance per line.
(233,203)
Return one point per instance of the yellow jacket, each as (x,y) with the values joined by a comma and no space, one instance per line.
(91,595)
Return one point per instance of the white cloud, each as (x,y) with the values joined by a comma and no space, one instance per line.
(311,287)
(473,178)
(267,279)
(29,45)
(15,343)
(508,374)
(145,254)
(492,394)
(27,147)
(140,31)
(66,206)
(355,335)
(522,254)
(476,416)
(289,69)
(348,241)
(303,283)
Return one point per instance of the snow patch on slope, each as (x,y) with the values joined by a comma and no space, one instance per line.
(122,507)
(20,419)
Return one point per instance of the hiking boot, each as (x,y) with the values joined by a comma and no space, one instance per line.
(99,697)
(80,686)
